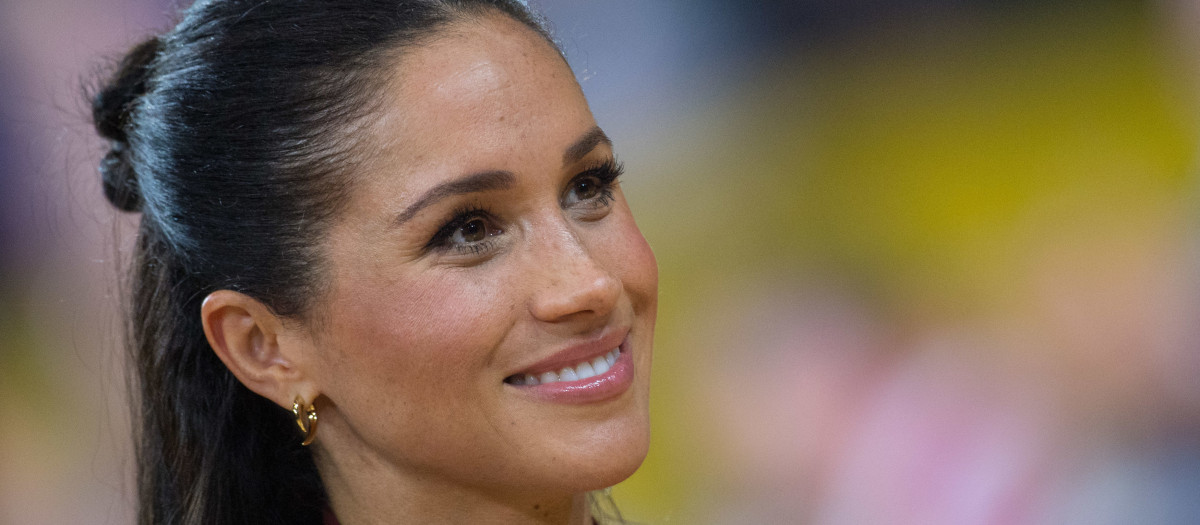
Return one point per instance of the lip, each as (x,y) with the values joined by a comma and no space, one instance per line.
(610,384)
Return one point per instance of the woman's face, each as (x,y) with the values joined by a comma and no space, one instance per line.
(485,243)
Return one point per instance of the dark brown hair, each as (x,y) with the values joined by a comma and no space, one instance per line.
(229,134)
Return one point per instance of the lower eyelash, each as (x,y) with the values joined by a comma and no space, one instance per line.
(606,173)
(606,195)
(474,248)
(458,218)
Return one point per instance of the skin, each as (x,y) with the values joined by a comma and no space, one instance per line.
(408,352)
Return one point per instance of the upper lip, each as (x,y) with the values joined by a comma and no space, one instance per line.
(579,351)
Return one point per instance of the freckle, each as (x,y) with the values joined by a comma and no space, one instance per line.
(537,506)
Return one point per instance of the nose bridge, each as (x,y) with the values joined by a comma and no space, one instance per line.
(573,280)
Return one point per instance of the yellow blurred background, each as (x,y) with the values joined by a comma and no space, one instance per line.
(924,262)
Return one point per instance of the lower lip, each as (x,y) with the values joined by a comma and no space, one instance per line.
(593,389)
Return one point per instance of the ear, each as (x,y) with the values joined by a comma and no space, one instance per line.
(246,336)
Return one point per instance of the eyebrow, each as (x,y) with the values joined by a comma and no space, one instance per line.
(588,142)
(497,179)
(473,183)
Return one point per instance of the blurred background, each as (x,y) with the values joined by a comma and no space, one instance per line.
(922,262)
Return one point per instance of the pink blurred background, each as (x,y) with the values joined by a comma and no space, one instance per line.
(923,262)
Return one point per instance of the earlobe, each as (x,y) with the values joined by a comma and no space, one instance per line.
(245,335)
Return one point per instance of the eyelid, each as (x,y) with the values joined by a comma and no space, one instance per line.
(458,218)
(606,171)
(475,248)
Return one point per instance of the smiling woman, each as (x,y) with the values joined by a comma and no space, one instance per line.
(396,225)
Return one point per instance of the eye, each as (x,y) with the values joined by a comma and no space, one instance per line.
(593,187)
(586,187)
(470,231)
(474,230)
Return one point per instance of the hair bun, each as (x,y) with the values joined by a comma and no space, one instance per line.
(110,113)
(119,180)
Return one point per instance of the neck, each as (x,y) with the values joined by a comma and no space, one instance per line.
(366,494)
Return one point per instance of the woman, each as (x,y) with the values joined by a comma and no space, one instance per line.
(396,226)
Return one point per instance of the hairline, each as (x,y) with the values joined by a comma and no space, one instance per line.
(361,150)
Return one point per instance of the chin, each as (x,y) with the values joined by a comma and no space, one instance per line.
(612,454)
(620,469)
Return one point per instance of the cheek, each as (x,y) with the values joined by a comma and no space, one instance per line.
(412,338)
(634,263)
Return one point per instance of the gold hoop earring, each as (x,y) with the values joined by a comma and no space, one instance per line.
(307,422)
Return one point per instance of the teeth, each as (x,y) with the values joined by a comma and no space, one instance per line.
(584,370)
(600,365)
(567,374)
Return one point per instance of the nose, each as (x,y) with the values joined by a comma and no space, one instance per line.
(573,283)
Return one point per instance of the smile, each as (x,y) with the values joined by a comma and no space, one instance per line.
(581,374)
(583,370)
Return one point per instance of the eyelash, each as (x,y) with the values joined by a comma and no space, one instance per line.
(461,217)
(605,173)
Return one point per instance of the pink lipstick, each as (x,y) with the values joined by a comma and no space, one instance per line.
(581,374)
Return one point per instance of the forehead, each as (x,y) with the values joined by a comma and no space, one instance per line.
(482,89)
(478,58)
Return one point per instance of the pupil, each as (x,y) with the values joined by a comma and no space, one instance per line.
(585,189)
(473,231)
